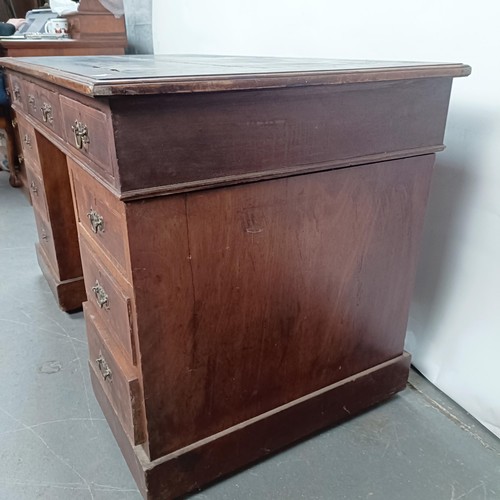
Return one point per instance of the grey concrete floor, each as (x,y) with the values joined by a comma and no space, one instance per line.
(56,445)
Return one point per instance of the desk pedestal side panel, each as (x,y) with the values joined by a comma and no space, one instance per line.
(253,296)
(265,312)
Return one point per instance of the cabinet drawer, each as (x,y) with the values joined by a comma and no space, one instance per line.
(27,139)
(108,302)
(37,191)
(117,378)
(43,105)
(46,238)
(59,243)
(18,91)
(31,98)
(100,215)
(88,130)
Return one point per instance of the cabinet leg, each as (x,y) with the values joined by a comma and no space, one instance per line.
(14,180)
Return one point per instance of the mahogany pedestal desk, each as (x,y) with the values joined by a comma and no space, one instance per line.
(249,231)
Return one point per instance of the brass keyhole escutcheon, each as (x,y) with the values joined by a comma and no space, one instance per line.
(46,110)
(101,296)
(32,101)
(17,92)
(81,134)
(96,221)
(104,368)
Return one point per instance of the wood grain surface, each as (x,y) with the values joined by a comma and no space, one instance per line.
(175,143)
(148,74)
(266,292)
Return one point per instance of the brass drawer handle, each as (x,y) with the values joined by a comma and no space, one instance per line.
(46,110)
(20,159)
(44,235)
(32,101)
(101,296)
(17,92)
(14,123)
(81,133)
(104,368)
(33,188)
(96,221)
(27,140)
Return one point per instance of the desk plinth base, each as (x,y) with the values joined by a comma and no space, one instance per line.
(70,294)
(201,463)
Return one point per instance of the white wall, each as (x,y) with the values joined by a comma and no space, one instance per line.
(454,329)
(139,30)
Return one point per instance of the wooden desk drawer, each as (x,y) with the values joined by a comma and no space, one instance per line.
(101,216)
(46,238)
(18,91)
(89,131)
(43,105)
(108,301)
(37,191)
(27,138)
(59,241)
(118,379)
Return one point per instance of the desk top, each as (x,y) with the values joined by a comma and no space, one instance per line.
(148,74)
